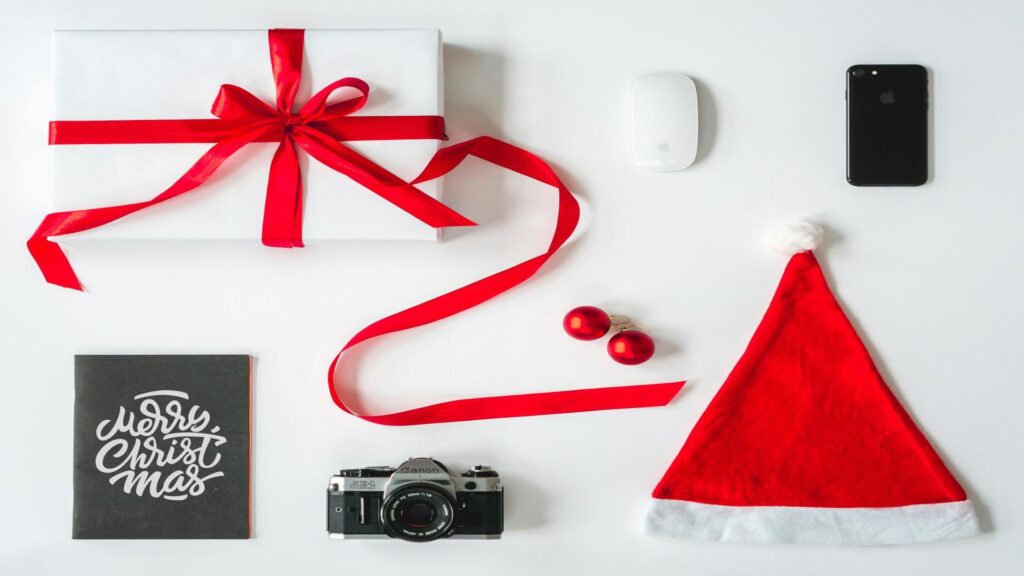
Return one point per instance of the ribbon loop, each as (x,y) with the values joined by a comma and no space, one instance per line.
(235,103)
(317,109)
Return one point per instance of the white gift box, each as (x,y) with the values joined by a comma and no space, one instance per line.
(125,75)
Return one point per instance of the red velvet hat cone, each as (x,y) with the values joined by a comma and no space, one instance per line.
(805,442)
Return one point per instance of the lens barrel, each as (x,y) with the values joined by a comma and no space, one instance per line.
(418,513)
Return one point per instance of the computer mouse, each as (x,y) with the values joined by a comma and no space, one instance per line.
(663,112)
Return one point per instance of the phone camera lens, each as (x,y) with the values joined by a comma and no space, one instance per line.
(858,72)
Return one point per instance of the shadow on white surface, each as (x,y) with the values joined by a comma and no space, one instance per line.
(707,120)
(525,503)
(474,106)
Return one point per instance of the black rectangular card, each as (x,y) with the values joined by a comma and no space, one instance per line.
(162,447)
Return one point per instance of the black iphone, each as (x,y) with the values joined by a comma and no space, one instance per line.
(887,125)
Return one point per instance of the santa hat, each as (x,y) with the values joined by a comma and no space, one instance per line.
(805,442)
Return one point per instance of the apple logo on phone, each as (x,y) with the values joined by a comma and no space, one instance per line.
(888,97)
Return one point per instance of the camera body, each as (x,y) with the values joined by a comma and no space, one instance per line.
(418,501)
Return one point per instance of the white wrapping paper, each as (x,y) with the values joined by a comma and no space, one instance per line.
(111,75)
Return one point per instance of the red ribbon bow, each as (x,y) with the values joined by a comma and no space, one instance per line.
(318,128)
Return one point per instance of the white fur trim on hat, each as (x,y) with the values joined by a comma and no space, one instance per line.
(806,525)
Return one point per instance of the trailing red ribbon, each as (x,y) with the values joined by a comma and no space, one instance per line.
(318,128)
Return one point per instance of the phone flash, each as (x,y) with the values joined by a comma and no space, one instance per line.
(874,72)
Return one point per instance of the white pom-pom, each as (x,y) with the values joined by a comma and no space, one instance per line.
(799,236)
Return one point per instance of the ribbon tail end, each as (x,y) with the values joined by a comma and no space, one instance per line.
(53,263)
(675,387)
(69,285)
(665,393)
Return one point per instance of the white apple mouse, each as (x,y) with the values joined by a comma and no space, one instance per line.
(663,114)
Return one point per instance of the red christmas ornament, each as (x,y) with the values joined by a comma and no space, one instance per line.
(586,323)
(631,347)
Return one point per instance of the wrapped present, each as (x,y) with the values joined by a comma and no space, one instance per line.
(127,75)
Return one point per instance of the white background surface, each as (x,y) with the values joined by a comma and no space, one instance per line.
(932,276)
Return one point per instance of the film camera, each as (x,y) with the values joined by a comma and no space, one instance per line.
(419,501)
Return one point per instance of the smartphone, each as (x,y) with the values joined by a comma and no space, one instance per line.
(886,125)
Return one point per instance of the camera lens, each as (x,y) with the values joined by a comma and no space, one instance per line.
(858,72)
(418,513)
